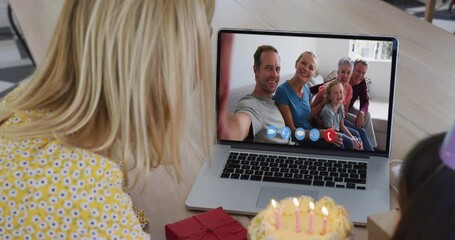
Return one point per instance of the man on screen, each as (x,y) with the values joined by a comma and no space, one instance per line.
(361,117)
(257,115)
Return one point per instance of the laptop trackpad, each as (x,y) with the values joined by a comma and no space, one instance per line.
(278,193)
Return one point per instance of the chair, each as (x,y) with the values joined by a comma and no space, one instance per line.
(450,8)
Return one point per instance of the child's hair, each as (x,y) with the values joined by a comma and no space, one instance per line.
(426,194)
(125,78)
(329,87)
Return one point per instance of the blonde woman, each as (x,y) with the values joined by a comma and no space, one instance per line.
(117,86)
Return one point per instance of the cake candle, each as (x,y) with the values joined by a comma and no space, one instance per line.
(311,219)
(298,224)
(277,215)
(324,220)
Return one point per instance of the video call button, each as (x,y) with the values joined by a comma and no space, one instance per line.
(286,133)
(314,135)
(330,135)
(271,131)
(300,134)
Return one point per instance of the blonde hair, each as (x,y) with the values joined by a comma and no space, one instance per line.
(329,87)
(312,54)
(122,77)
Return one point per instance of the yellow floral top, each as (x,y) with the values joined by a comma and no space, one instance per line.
(50,191)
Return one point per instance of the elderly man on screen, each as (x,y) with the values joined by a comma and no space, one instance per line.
(360,117)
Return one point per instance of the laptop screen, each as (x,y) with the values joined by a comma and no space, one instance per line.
(304,92)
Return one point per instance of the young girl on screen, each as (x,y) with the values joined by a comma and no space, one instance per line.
(333,114)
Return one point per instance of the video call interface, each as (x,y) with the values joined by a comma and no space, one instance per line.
(379,53)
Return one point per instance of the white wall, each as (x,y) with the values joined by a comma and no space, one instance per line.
(379,73)
(244,47)
(329,52)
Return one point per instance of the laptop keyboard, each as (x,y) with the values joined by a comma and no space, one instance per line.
(297,170)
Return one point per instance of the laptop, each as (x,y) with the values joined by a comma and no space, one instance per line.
(243,176)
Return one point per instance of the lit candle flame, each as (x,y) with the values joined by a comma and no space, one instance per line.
(296,202)
(311,205)
(325,211)
(273,203)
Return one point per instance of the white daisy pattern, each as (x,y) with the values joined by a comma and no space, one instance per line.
(50,191)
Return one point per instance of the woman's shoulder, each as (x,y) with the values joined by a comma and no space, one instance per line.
(46,145)
(284,86)
(283,92)
(65,182)
(17,120)
(50,153)
(15,93)
(74,157)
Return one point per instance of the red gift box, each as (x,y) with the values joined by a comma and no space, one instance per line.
(215,224)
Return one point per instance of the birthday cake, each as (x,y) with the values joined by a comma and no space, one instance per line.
(301,218)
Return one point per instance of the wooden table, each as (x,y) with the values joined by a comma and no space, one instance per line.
(425,83)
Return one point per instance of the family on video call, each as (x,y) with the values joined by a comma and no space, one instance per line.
(289,111)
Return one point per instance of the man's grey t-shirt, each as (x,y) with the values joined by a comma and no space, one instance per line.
(263,113)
